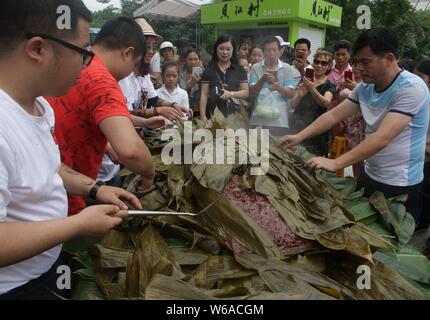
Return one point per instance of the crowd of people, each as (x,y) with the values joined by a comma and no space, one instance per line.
(71,116)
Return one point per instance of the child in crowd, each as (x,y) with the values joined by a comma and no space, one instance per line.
(170,91)
(256,55)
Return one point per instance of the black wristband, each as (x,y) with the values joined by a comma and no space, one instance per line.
(93,192)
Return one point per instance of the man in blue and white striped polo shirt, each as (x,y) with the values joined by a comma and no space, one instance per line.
(395,107)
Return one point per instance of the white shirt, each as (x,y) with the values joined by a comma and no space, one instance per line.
(180,96)
(108,170)
(135,89)
(156,63)
(273,100)
(30,186)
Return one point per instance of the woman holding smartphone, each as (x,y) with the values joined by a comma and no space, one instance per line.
(223,80)
(190,76)
(313,97)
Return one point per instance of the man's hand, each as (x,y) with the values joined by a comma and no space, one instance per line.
(170,113)
(269,77)
(300,65)
(117,196)
(274,86)
(155,122)
(323,163)
(96,221)
(289,141)
(183,109)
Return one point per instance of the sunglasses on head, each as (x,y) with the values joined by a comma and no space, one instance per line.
(87,55)
(321,62)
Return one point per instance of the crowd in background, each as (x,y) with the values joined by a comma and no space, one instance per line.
(287,88)
(71,116)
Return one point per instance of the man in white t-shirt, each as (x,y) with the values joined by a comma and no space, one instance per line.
(33,181)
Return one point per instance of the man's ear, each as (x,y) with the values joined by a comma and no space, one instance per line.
(128,52)
(36,49)
(391,57)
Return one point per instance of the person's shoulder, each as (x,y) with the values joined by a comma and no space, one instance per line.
(181,91)
(258,65)
(408,79)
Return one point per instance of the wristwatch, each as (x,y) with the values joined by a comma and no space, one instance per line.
(173,104)
(93,192)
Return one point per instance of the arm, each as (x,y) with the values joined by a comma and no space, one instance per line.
(75,183)
(22,240)
(300,64)
(78,184)
(287,93)
(300,93)
(203,101)
(167,112)
(243,93)
(131,150)
(324,123)
(256,88)
(322,100)
(390,128)
(153,122)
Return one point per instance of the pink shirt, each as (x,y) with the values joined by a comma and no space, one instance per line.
(336,77)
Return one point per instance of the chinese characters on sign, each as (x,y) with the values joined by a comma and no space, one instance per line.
(318,10)
(253,9)
(279,12)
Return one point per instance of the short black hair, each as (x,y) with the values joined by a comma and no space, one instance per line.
(343,44)
(380,40)
(271,39)
(424,66)
(408,65)
(193,51)
(169,64)
(303,41)
(223,39)
(19,17)
(121,32)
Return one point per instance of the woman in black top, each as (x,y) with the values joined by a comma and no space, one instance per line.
(223,80)
(312,99)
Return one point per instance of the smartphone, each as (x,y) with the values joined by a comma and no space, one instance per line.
(309,73)
(275,74)
(348,75)
(197,70)
(218,92)
(300,55)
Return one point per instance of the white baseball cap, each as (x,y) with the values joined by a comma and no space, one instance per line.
(166,44)
(282,42)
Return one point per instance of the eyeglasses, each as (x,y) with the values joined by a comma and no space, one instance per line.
(87,55)
(322,63)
